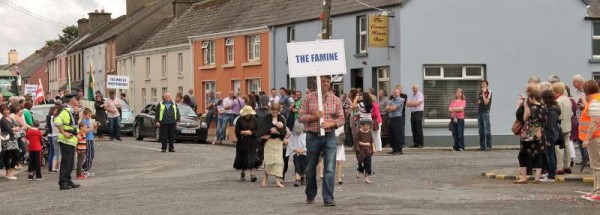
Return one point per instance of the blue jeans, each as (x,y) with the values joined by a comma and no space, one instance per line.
(50,153)
(551,161)
(485,130)
(114,128)
(210,117)
(458,134)
(316,145)
(221,126)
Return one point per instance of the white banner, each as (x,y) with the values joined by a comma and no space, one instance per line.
(315,58)
(117,82)
(30,89)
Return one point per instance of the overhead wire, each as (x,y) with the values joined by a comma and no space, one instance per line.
(29,13)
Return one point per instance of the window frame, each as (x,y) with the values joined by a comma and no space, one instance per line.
(239,85)
(230,50)
(249,84)
(291,34)
(144,96)
(164,66)
(595,38)
(180,64)
(208,86)
(154,91)
(253,42)
(360,33)
(148,68)
(383,79)
(208,52)
(465,77)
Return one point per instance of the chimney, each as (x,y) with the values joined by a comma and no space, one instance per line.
(180,6)
(83,27)
(98,19)
(13,57)
(134,5)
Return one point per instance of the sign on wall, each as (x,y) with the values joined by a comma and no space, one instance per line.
(117,82)
(378,31)
(315,58)
(30,89)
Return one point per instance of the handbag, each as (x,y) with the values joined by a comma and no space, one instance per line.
(517,126)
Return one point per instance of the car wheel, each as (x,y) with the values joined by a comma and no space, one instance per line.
(137,133)
(201,140)
(157,135)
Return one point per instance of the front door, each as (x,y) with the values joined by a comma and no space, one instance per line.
(356,78)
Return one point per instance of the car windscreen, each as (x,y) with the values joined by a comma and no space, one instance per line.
(185,110)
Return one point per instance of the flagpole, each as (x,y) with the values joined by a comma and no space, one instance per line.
(69,79)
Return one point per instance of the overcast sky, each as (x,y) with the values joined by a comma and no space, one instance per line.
(26,33)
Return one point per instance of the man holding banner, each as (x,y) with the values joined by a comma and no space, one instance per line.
(317,144)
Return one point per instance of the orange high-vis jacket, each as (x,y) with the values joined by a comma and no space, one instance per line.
(585,120)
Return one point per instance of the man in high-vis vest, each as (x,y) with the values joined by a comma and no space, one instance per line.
(589,133)
(66,122)
(167,116)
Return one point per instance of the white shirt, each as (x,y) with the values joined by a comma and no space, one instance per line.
(112,105)
(273,100)
(54,128)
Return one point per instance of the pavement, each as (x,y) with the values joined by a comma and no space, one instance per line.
(584,176)
(134,177)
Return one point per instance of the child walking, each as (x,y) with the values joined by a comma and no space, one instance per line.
(89,139)
(297,149)
(81,149)
(34,136)
(364,150)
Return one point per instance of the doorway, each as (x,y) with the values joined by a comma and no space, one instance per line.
(356,78)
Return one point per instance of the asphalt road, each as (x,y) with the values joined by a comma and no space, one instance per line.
(135,178)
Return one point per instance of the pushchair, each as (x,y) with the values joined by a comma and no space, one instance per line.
(45,150)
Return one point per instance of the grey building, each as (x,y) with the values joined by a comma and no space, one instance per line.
(367,67)
(447,45)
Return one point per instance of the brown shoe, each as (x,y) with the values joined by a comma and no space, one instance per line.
(560,172)
(568,171)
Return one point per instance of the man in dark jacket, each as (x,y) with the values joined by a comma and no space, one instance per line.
(167,116)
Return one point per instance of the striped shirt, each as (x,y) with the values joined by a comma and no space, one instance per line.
(332,111)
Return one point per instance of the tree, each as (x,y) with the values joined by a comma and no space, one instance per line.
(69,34)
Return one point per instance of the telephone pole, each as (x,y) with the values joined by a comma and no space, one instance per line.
(326,16)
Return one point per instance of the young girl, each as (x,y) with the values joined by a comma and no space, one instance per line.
(297,148)
(274,146)
(34,136)
(364,149)
(81,148)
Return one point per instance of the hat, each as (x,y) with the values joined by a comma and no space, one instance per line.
(247,110)
(594,109)
(70,96)
(263,100)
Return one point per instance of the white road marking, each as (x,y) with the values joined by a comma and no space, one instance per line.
(139,147)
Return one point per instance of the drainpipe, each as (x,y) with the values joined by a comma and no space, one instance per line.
(272,57)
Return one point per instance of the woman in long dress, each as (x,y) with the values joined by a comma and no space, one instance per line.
(245,149)
(100,114)
(274,147)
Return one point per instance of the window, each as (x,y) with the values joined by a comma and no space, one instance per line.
(208,50)
(253,86)
(383,79)
(441,82)
(164,66)
(291,34)
(209,86)
(164,90)
(254,48)
(362,35)
(235,86)
(180,64)
(154,95)
(147,68)
(596,76)
(596,41)
(229,50)
(144,96)
(180,90)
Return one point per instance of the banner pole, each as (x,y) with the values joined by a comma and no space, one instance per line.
(320,102)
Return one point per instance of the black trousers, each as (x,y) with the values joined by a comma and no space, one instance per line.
(10,158)
(66,165)
(167,134)
(285,161)
(396,133)
(35,164)
(416,124)
(364,166)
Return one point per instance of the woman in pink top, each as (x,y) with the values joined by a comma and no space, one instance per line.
(457,115)
(376,129)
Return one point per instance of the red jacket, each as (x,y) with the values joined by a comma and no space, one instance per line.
(34,136)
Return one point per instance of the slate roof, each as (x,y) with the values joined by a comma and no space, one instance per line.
(38,59)
(593,9)
(298,11)
(141,41)
(215,16)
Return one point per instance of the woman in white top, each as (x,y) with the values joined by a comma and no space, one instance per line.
(55,156)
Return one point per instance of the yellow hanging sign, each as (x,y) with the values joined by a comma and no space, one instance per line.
(378,31)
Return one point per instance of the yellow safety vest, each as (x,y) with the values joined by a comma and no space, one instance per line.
(66,120)
(162,110)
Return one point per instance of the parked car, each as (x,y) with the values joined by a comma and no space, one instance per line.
(191,127)
(39,113)
(127,119)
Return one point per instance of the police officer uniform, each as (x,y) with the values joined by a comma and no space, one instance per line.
(67,118)
(167,114)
